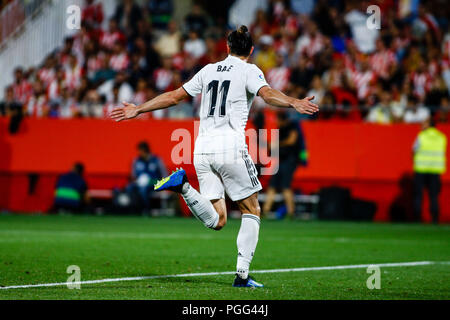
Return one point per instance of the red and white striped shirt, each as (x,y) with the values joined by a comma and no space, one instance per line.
(162,78)
(119,62)
(421,83)
(310,45)
(22,91)
(95,63)
(46,76)
(349,62)
(54,89)
(381,62)
(73,77)
(109,39)
(278,78)
(37,107)
(363,82)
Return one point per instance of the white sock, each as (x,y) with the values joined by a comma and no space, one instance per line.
(246,243)
(200,207)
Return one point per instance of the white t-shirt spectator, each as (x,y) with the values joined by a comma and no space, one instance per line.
(417,116)
(125,91)
(195,48)
(364,37)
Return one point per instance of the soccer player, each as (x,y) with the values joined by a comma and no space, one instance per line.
(221,158)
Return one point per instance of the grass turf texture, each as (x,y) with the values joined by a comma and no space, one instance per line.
(38,249)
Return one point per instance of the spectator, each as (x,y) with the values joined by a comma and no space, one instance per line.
(301,77)
(436,94)
(38,105)
(363,37)
(71,191)
(114,103)
(127,15)
(109,38)
(213,53)
(383,61)
(381,113)
(21,87)
(72,73)
(119,59)
(104,73)
(147,169)
(169,43)
(194,45)
(10,106)
(163,76)
(363,81)
(338,81)
(289,149)
(125,90)
(329,39)
(415,113)
(93,104)
(47,73)
(266,57)
(161,11)
(93,13)
(311,42)
(278,77)
(317,90)
(55,88)
(196,20)
(142,93)
(68,106)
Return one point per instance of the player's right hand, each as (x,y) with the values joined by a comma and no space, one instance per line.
(305,105)
(129,111)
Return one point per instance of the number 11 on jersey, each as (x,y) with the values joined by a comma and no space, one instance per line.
(214,86)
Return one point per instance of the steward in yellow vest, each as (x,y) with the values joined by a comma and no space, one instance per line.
(429,163)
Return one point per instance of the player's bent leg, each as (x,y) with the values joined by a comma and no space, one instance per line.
(221,209)
(247,240)
(201,207)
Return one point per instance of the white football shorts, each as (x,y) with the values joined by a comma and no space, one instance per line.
(232,172)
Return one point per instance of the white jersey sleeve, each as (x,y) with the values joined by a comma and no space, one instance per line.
(194,86)
(255,79)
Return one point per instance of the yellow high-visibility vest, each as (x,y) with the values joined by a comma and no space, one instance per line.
(430,154)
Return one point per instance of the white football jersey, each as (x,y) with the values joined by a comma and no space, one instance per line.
(228,88)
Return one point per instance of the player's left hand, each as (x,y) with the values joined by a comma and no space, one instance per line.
(129,111)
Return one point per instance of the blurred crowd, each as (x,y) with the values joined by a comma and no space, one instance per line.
(398,73)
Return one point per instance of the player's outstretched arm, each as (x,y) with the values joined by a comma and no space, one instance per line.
(279,99)
(165,100)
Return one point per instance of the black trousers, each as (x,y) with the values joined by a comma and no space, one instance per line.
(431,182)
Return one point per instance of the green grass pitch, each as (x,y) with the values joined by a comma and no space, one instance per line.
(38,249)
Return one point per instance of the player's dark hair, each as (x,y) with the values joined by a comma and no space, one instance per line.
(240,42)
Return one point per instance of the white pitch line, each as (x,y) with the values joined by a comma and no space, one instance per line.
(183,275)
